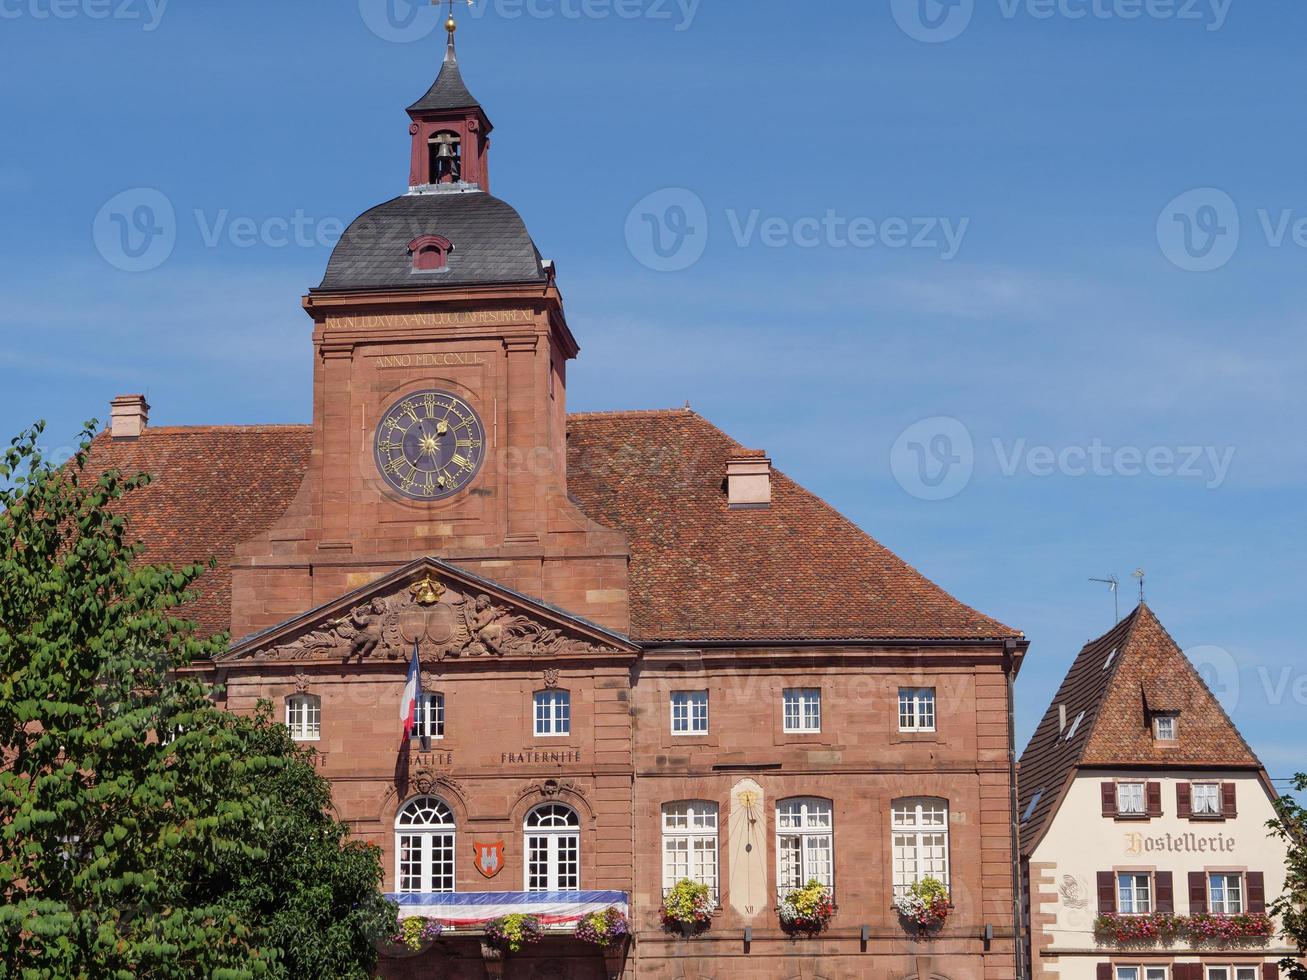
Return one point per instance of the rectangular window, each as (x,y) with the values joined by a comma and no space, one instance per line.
(1130,799)
(1155,973)
(431,716)
(919,840)
(1225,894)
(1245,973)
(1206,800)
(1127,973)
(805,844)
(1164,728)
(690,844)
(304,717)
(802,709)
(553,713)
(1218,973)
(689,712)
(916,709)
(1134,893)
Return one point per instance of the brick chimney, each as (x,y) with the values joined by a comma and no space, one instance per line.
(128,416)
(748,480)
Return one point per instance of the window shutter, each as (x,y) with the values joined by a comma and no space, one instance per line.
(1165,888)
(1106,892)
(1109,799)
(1197,893)
(1270,971)
(1154,799)
(1229,800)
(1256,892)
(1104,971)
(1183,800)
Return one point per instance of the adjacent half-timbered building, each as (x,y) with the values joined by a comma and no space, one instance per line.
(1143,824)
(644,653)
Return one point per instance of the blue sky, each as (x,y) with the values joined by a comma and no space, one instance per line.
(1016,284)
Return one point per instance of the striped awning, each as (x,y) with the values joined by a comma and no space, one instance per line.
(471,910)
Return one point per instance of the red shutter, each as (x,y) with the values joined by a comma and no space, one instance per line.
(1109,799)
(1270,971)
(1256,892)
(1104,971)
(1229,807)
(1197,893)
(1183,800)
(1154,799)
(1165,888)
(1106,892)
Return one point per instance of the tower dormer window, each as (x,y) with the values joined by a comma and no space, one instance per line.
(430,253)
(445,157)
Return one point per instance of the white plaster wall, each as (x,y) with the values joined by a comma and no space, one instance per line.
(1082,842)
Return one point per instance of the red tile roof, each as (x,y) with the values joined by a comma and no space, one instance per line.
(702,571)
(213,487)
(699,570)
(1115,682)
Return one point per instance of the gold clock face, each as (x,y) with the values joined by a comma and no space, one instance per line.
(430,445)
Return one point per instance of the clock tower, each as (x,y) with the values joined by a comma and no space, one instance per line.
(440,350)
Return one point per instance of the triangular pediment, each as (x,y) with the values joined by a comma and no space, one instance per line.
(447,611)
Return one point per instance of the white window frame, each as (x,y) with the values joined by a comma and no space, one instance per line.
(1212,790)
(805,718)
(429,822)
(805,843)
(1123,798)
(552,713)
(1233,971)
(1128,893)
(689,712)
(551,835)
(1172,723)
(1233,901)
(304,717)
(691,844)
(919,841)
(430,716)
(1136,972)
(917,709)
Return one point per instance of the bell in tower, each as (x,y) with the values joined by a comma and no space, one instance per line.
(444,151)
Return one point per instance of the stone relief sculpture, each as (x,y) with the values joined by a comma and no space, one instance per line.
(453,626)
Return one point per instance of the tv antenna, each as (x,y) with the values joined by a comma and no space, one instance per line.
(1113,584)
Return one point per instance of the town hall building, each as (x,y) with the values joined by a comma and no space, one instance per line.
(646,655)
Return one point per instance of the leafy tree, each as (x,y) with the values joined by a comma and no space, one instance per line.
(1290,826)
(144,832)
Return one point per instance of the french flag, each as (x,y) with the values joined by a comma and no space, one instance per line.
(408,705)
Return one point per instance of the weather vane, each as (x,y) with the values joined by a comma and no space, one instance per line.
(451,25)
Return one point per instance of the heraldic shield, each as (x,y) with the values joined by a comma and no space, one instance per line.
(489,858)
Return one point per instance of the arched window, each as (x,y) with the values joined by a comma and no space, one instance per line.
(553,849)
(430,253)
(919,828)
(805,843)
(304,717)
(424,846)
(690,843)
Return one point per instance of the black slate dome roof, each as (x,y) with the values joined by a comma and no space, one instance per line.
(490,244)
